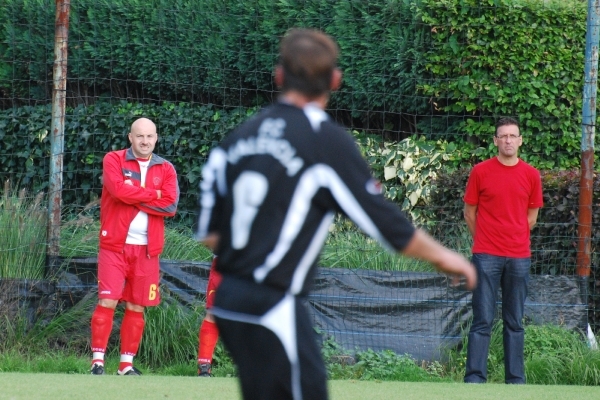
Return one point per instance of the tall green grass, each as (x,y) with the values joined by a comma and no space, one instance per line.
(354,250)
(79,232)
(23,221)
(169,344)
(170,335)
(64,331)
(557,356)
(170,341)
(180,245)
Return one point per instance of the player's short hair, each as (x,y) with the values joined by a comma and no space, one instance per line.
(506,121)
(308,58)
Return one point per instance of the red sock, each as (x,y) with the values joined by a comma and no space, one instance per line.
(102,322)
(207,340)
(132,329)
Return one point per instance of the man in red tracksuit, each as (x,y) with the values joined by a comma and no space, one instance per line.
(139,189)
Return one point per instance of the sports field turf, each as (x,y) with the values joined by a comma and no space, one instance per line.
(22,386)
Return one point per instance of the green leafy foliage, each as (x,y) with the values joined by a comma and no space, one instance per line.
(509,58)
(554,239)
(411,67)
(168,337)
(380,366)
(406,170)
(26,49)
(214,51)
(387,365)
(382,56)
(447,192)
(186,135)
(550,340)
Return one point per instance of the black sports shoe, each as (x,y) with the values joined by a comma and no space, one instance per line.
(97,369)
(132,371)
(205,370)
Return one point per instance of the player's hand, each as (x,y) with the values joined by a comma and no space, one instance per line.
(471,277)
(467,278)
(128,182)
(463,272)
(464,282)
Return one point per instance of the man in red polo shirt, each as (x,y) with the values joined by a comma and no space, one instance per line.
(502,200)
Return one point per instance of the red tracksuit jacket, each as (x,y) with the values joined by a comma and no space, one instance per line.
(120,202)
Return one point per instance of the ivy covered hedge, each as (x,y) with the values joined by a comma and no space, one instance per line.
(186,135)
(440,68)
(524,58)
(217,51)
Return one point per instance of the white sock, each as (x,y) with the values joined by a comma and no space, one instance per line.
(98,357)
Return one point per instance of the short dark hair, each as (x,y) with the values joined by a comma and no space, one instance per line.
(506,121)
(308,58)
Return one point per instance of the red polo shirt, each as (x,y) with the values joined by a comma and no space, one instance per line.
(503,194)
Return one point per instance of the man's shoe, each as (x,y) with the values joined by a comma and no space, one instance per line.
(130,371)
(97,369)
(205,370)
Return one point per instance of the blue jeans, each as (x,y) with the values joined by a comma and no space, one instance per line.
(512,275)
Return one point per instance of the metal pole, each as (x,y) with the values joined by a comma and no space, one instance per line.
(61,34)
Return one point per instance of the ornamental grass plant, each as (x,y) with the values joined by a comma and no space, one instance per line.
(23,220)
(352,249)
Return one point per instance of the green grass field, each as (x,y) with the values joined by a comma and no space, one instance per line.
(22,386)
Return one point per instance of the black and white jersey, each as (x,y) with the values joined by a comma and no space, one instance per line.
(272,188)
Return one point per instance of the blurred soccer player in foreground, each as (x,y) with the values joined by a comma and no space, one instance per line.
(269,192)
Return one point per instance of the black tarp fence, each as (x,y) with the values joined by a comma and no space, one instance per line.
(419,314)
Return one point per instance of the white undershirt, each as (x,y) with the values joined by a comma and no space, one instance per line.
(138,229)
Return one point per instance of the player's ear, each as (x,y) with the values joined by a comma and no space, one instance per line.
(336,79)
(279,76)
